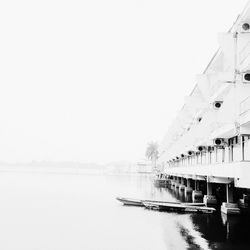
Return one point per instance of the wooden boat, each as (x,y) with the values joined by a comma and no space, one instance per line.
(140,203)
(178,207)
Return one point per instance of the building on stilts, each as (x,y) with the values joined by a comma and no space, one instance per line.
(206,151)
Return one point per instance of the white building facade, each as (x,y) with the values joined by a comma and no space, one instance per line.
(210,137)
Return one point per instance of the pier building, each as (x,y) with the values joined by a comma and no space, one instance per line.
(207,148)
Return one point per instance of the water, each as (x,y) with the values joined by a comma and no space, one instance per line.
(59,210)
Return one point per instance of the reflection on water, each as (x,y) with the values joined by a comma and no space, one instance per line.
(224,232)
(63,211)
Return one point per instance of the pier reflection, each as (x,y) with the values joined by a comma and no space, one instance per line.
(224,232)
(210,231)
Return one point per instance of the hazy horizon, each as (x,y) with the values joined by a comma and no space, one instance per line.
(95,81)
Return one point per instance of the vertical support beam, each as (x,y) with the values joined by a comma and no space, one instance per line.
(223,154)
(209,198)
(232,153)
(182,181)
(177,183)
(209,157)
(242,148)
(182,184)
(227,153)
(229,207)
(197,186)
(209,188)
(216,154)
(229,193)
(197,195)
(188,189)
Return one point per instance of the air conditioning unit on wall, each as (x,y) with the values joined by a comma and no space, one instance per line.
(190,152)
(246,77)
(219,142)
(217,104)
(201,148)
(245,26)
(210,148)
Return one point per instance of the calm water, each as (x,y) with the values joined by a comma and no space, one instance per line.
(53,211)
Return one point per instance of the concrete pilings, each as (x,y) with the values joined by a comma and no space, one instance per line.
(176,185)
(182,185)
(197,195)
(229,207)
(209,199)
(188,188)
(208,190)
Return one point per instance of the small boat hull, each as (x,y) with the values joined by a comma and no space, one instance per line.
(140,203)
(130,202)
(178,207)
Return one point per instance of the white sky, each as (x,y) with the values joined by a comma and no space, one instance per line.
(96,80)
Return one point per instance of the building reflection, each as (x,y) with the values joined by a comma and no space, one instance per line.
(222,231)
(209,231)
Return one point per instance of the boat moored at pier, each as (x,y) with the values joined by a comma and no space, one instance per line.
(178,207)
(141,203)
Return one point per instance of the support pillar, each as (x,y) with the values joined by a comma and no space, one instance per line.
(229,207)
(229,193)
(197,185)
(182,181)
(209,198)
(177,183)
(209,188)
(173,183)
(197,195)
(188,189)
(182,185)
